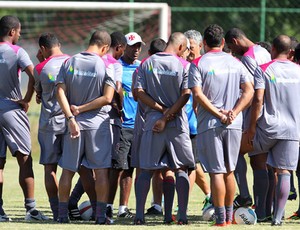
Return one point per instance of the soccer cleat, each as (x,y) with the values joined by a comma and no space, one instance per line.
(264,220)
(242,202)
(153,211)
(35,215)
(109,212)
(4,218)
(276,223)
(171,222)
(138,222)
(63,220)
(182,222)
(206,202)
(220,225)
(74,214)
(292,195)
(126,214)
(295,216)
(107,221)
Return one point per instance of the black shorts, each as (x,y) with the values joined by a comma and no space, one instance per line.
(121,160)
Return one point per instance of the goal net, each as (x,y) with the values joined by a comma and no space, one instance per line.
(74,22)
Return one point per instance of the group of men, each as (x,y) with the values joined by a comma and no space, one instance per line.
(173,115)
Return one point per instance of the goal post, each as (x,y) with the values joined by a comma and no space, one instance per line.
(164,11)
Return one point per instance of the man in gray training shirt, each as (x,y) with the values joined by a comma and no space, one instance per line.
(276,131)
(216,80)
(82,79)
(14,124)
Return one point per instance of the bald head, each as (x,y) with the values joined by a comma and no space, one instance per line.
(100,38)
(282,44)
(177,43)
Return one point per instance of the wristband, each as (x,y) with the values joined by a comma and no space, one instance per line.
(70,117)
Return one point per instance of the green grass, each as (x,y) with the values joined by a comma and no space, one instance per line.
(13,201)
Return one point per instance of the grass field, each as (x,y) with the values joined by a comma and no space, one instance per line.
(13,201)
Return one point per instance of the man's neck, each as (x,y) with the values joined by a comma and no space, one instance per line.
(128,60)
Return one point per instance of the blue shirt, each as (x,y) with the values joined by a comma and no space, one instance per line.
(191,116)
(129,104)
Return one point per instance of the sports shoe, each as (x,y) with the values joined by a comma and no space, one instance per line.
(242,202)
(4,218)
(74,213)
(295,216)
(109,212)
(292,195)
(126,214)
(182,222)
(276,223)
(35,215)
(63,220)
(206,202)
(107,221)
(220,225)
(138,222)
(153,211)
(264,220)
(172,221)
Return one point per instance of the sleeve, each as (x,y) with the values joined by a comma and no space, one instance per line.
(250,64)
(194,76)
(23,59)
(61,77)
(185,77)
(140,81)
(245,75)
(259,79)
(118,71)
(37,81)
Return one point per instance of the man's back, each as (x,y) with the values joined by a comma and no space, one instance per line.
(281,111)
(220,76)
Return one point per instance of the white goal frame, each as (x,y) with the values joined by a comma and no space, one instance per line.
(164,11)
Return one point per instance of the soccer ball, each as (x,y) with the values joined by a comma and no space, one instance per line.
(208,213)
(244,215)
(85,210)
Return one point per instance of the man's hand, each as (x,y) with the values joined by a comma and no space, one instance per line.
(159,125)
(38,98)
(73,128)
(74,110)
(23,104)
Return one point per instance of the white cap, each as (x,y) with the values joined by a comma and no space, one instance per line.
(133,38)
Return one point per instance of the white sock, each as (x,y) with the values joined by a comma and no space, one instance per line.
(110,205)
(157,207)
(122,209)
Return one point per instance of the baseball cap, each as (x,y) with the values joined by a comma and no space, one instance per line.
(133,38)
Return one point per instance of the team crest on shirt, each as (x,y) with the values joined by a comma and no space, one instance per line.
(51,78)
(273,79)
(211,72)
(71,70)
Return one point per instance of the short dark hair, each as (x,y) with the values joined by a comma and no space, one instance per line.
(297,53)
(48,40)
(234,33)
(7,23)
(157,45)
(282,44)
(213,35)
(100,38)
(117,38)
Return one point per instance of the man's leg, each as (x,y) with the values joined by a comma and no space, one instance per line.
(51,185)
(114,175)
(260,184)
(102,188)
(157,190)
(218,192)
(169,192)
(75,196)
(229,197)
(125,189)
(3,216)
(203,185)
(65,183)
(182,188)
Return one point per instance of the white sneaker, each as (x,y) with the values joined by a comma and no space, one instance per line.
(35,215)
(4,218)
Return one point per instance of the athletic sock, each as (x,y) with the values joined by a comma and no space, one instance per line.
(94,207)
(270,194)
(1,207)
(298,178)
(63,210)
(220,215)
(169,191)
(76,194)
(122,209)
(182,188)
(141,191)
(281,195)
(240,174)
(229,213)
(261,186)
(29,204)
(100,212)
(54,207)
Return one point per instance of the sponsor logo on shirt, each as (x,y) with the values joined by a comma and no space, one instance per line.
(51,78)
